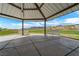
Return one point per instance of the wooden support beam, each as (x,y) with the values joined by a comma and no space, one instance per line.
(30,9)
(9,16)
(34,19)
(41,5)
(14,5)
(63,10)
(22,9)
(40,11)
(21,18)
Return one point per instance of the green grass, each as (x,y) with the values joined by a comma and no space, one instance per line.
(10,32)
(7,32)
(37,31)
(70,33)
(67,33)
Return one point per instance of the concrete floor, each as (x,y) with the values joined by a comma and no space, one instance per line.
(37,45)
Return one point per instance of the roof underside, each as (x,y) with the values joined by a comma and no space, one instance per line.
(36,11)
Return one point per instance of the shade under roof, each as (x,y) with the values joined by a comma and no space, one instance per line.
(36,11)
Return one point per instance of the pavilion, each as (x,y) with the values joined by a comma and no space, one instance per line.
(35,45)
(36,11)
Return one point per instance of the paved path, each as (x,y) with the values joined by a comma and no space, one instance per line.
(9,37)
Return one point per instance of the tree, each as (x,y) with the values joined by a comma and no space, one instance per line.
(0,29)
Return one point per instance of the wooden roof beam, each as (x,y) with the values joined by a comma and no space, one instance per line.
(40,11)
(63,10)
(21,18)
(9,16)
(14,5)
(30,9)
(41,5)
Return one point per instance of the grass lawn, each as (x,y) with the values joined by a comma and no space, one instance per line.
(67,33)
(33,31)
(70,33)
(37,31)
(7,32)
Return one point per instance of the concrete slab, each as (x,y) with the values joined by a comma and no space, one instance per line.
(19,42)
(70,43)
(53,51)
(37,38)
(51,48)
(8,52)
(75,53)
(27,50)
(47,42)
(40,38)
(2,44)
(77,49)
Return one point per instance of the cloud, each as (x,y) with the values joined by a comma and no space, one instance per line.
(2,26)
(53,23)
(19,25)
(77,12)
(37,24)
(72,20)
(13,24)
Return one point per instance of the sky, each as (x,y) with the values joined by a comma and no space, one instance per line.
(72,18)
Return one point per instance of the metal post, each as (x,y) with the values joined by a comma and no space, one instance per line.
(43,17)
(45,28)
(22,9)
(22,27)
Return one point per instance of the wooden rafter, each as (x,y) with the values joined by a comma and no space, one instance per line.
(40,11)
(21,18)
(30,8)
(41,5)
(20,7)
(14,5)
(9,16)
(63,10)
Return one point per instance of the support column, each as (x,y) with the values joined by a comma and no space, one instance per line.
(22,10)
(43,17)
(45,28)
(22,27)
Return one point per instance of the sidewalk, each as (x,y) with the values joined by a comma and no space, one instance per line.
(9,37)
